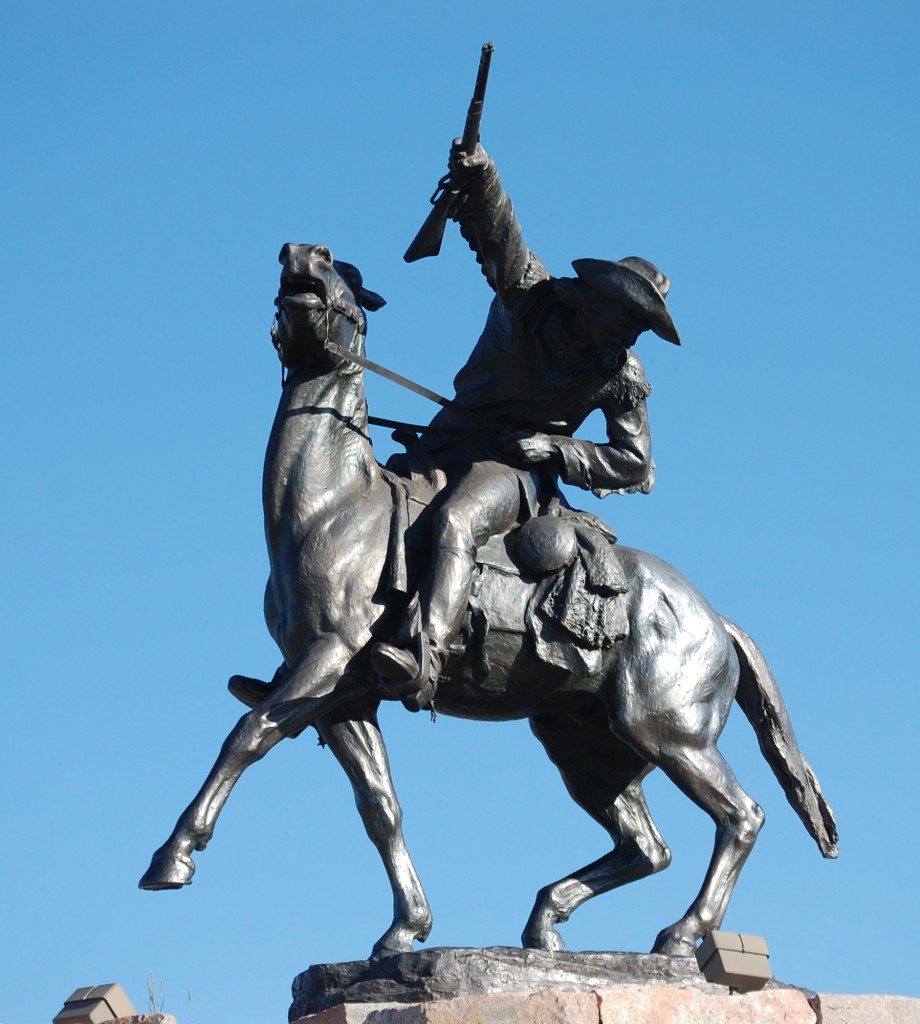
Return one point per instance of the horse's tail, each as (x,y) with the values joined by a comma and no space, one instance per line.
(760,700)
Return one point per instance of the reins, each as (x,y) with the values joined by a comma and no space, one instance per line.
(479,425)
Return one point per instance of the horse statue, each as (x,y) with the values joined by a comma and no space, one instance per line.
(658,697)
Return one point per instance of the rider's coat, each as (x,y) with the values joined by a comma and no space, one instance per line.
(530,368)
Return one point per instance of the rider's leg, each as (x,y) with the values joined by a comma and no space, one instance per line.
(485,502)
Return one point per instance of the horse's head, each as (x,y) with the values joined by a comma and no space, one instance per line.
(320,300)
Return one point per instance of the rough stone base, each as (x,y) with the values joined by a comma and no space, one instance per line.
(505,984)
(445,973)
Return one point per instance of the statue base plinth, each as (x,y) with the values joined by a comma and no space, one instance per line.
(502,985)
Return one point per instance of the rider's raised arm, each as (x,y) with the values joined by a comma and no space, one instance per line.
(487,221)
(624,464)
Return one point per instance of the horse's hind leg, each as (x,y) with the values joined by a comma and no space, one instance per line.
(704,775)
(294,704)
(604,776)
(359,748)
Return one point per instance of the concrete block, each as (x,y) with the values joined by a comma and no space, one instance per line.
(96,1004)
(738,961)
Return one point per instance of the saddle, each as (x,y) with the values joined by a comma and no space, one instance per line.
(555,577)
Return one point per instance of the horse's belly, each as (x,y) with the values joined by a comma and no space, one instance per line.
(510,683)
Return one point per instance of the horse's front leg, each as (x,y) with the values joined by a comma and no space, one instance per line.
(359,748)
(305,693)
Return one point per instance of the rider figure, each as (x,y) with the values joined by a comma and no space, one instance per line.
(553,350)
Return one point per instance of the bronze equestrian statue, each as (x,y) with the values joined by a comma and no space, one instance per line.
(620,665)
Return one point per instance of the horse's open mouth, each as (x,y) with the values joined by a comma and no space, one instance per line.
(301,301)
(301,293)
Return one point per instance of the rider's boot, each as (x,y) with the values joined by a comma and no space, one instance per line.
(253,691)
(408,675)
(412,675)
(399,668)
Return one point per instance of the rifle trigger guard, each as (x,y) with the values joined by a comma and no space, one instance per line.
(442,187)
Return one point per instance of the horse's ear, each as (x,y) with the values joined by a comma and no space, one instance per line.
(371,300)
(363,296)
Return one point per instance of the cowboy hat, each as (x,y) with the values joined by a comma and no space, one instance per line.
(637,285)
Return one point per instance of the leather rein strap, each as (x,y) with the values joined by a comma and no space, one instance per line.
(418,389)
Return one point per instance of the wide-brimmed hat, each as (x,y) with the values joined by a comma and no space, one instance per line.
(636,284)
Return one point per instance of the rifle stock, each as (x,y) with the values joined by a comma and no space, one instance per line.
(428,240)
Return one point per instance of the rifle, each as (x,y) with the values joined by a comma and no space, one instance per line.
(428,240)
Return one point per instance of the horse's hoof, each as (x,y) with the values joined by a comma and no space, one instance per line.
(382,949)
(168,871)
(670,944)
(392,943)
(540,931)
(546,938)
(398,938)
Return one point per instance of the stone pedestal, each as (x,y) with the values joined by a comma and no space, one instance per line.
(503,985)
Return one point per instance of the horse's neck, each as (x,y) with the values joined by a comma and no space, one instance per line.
(319,450)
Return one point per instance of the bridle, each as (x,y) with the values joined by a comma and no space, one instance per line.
(353,313)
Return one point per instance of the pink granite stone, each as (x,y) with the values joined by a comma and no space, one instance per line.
(869,1010)
(623,1004)
(547,1006)
(670,1004)
(627,1004)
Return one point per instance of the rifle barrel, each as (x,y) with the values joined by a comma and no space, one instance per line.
(474,114)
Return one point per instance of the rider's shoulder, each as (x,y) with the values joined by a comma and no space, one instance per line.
(633,368)
(629,386)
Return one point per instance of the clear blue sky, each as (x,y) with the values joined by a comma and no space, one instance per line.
(156,158)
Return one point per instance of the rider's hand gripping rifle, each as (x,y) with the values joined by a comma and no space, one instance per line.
(428,241)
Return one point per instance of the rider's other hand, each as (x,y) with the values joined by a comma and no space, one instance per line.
(529,448)
(462,165)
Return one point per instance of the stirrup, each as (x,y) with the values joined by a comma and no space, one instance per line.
(424,696)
